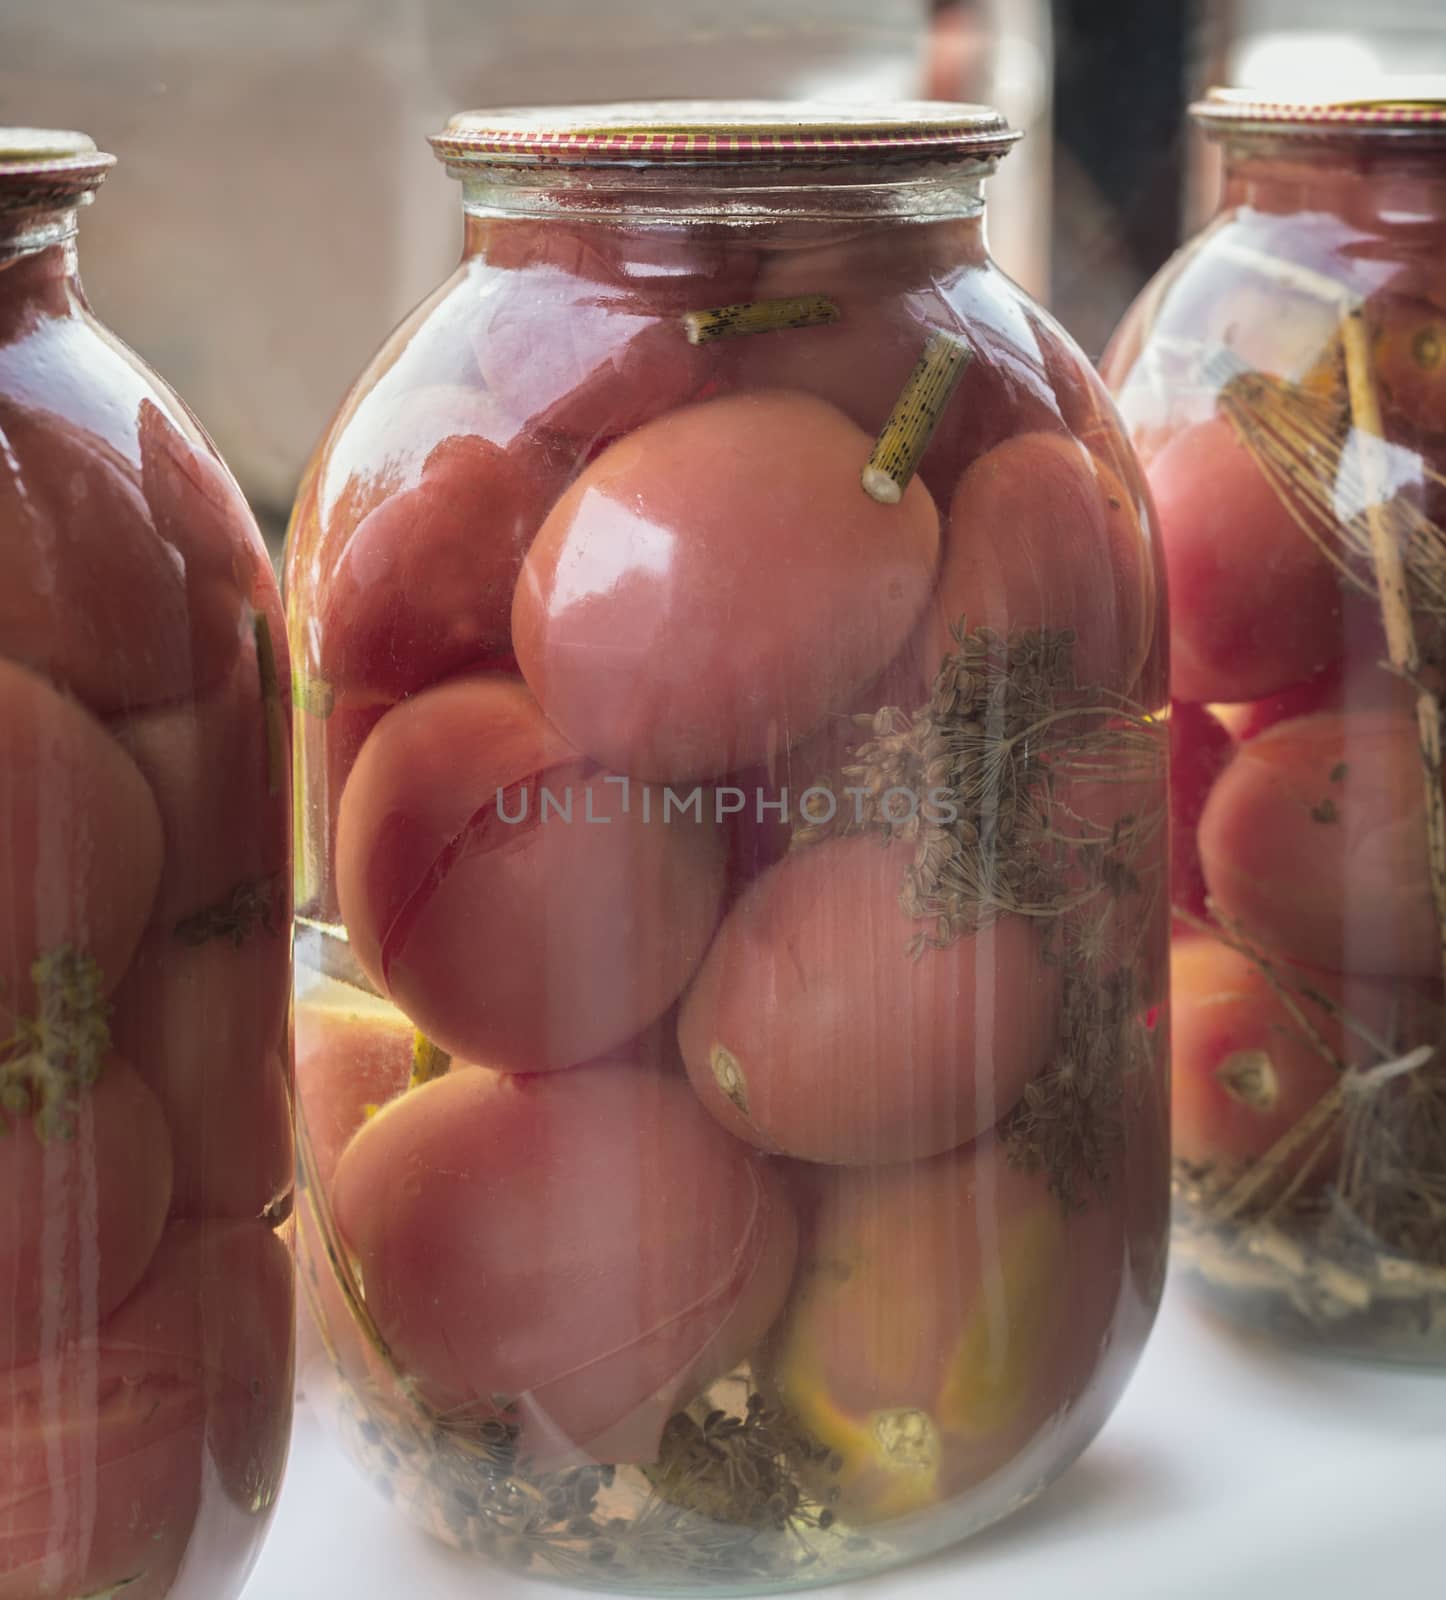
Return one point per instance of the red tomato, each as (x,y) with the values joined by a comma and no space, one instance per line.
(346,1061)
(82,1214)
(511,929)
(586,1250)
(1345,686)
(205,1026)
(1409,346)
(220,771)
(813,1031)
(80,838)
(130,584)
(715,584)
(1200,750)
(616,355)
(103,1444)
(1254,605)
(419,586)
(217,1308)
(894,288)
(669,269)
(1244,1069)
(945,1311)
(1042,535)
(100,1483)
(1314,840)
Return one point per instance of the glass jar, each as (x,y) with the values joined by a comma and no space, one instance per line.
(145,1122)
(732,919)
(1284,379)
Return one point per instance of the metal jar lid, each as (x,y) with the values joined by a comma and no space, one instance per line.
(1407,107)
(42,167)
(722,133)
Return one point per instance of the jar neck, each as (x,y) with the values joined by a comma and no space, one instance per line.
(779,202)
(38,260)
(1351,174)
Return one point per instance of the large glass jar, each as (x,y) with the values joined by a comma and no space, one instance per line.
(731,937)
(145,1122)
(1284,379)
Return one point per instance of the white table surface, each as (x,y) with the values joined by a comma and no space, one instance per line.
(1233,1469)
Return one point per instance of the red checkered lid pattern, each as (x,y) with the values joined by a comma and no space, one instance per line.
(722,133)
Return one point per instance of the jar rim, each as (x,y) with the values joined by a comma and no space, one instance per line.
(42,167)
(722,133)
(1396,107)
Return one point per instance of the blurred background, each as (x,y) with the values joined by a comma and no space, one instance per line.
(277,210)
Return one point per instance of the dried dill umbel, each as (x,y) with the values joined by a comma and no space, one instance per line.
(51,1058)
(1009,737)
(247,910)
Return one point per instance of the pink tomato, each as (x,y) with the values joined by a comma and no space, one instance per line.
(1314,840)
(1409,347)
(716,583)
(419,585)
(80,839)
(612,352)
(83,1213)
(583,1252)
(220,772)
(524,908)
(816,1030)
(1244,1068)
(205,1026)
(128,583)
(945,1311)
(217,1309)
(103,1443)
(1043,535)
(347,1062)
(1254,605)
(1200,750)
(1358,684)
(894,288)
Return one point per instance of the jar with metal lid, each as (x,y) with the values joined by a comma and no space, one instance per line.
(145,1122)
(1284,379)
(730,939)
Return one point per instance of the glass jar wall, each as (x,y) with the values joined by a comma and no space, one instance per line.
(732,920)
(1284,379)
(145,1123)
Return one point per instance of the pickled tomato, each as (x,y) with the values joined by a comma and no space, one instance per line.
(80,838)
(524,908)
(1043,535)
(1244,1068)
(944,1312)
(814,1030)
(1200,750)
(83,1214)
(128,584)
(219,770)
(583,1252)
(421,563)
(1314,840)
(1254,605)
(894,288)
(577,328)
(716,583)
(205,1027)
